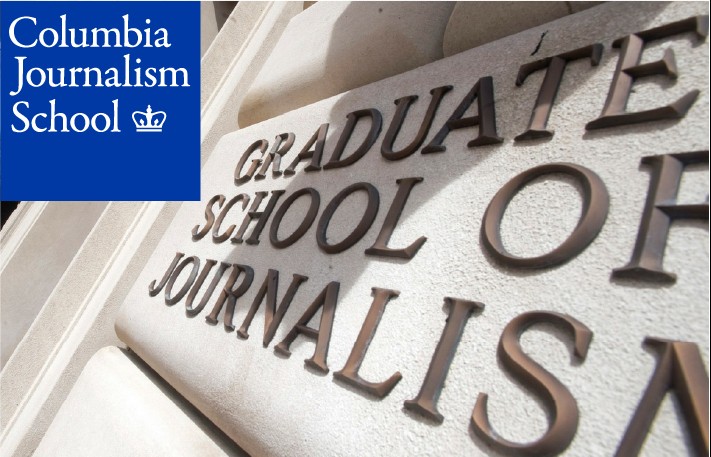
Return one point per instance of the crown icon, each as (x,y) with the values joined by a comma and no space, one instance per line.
(150,121)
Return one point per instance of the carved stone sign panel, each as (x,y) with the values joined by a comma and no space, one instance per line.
(503,252)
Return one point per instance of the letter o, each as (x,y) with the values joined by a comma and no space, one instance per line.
(72,122)
(366,221)
(95,125)
(38,71)
(183,290)
(596,202)
(305,224)
(55,38)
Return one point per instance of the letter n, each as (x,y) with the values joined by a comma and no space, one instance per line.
(679,368)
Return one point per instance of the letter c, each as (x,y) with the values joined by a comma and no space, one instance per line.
(12,32)
(36,127)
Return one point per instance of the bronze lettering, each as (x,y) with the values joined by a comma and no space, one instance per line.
(275,155)
(659,212)
(171,300)
(403,105)
(305,224)
(596,203)
(261,216)
(679,368)
(209,263)
(380,247)
(198,233)
(154,290)
(260,145)
(628,70)
(483,92)
(557,398)
(366,221)
(349,373)
(231,295)
(191,311)
(272,314)
(327,300)
(426,401)
(216,236)
(555,67)
(317,141)
(376,123)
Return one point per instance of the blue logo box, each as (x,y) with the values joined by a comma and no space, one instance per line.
(100,101)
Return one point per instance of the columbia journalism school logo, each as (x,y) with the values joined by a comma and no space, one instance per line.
(81,82)
(149,121)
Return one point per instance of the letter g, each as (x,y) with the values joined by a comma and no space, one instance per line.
(12,32)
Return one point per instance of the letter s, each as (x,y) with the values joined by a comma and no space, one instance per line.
(562,407)
(198,233)
(17,113)
(12,32)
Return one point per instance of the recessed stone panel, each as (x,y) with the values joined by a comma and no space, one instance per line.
(408,294)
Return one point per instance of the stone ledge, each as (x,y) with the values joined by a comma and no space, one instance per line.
(475,23)
(118,408)
(323,50)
